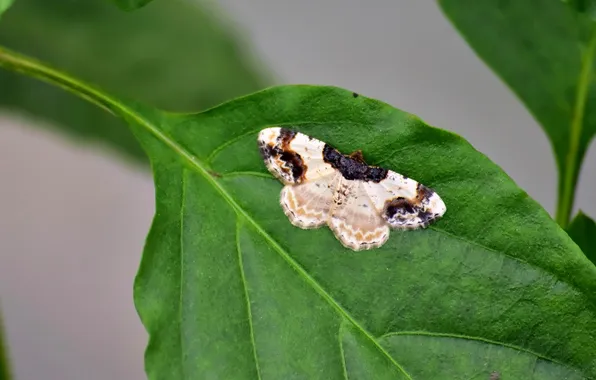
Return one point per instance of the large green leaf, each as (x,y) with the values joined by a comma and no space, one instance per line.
(229,289)
(172,54)
(583,231)
(544,50)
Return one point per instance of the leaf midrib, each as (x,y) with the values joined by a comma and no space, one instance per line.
(576,125)
(247,299)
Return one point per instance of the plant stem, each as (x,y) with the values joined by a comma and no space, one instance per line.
(33,68)
(567,190)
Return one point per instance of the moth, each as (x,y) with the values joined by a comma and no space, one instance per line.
(359,202)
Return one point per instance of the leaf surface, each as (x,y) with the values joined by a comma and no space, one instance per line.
(544,50)
(176,55)
(583,231)
(228,288)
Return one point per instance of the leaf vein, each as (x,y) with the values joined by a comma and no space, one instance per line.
(472,338)
(181,296)
(570,179)
(229,142)
(247,298)
(341,350)
(248,173)
(493,250)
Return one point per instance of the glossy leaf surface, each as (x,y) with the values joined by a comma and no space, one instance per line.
(228,288)
(544,50)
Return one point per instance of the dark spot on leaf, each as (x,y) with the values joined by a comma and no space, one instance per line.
(354,94)
(214,174)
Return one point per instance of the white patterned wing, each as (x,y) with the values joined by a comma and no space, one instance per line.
(354,219)
(307,205)
(293,157)
(405,203)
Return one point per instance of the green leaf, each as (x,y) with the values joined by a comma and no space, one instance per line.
(4,5)
(544,51)
(583,232)
(174,54)
(130,5)
(229,289)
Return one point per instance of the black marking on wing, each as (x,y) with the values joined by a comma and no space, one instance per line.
(397,208)
(353,168)
(288,160)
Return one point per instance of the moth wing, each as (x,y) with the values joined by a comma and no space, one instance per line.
(354,219)
(405,203)
(307,205)
(293,157)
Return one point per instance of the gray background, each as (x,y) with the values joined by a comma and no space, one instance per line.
(73,218)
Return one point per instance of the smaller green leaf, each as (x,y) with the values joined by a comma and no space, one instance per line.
(129,5)
(583,232)
(4,5)
(546,53)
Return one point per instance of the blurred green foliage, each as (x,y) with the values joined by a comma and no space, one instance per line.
(176,55)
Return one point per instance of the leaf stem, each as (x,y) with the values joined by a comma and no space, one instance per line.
(567,190)
(33,68)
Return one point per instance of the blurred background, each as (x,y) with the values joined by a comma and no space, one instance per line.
(76,195)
